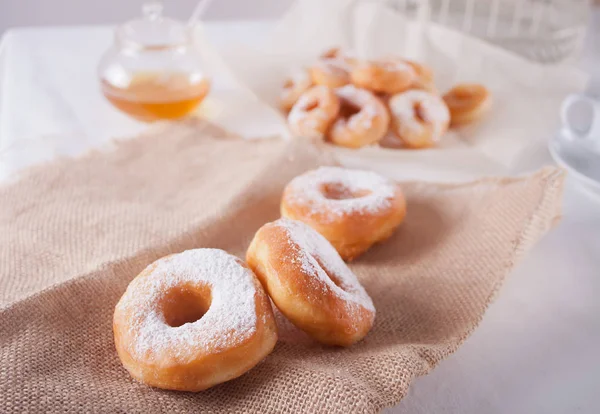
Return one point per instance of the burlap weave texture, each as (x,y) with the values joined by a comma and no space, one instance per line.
(75,232)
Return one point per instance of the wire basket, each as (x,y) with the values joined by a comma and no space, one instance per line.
(545,31)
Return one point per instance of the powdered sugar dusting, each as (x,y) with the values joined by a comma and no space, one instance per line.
(312,118)
(369,106)
(300,76)
(298,82)
(299,110)
(231,317)
(400,67)
(314,253)
(334,65)
(357,96)
(433,109)
(308,190)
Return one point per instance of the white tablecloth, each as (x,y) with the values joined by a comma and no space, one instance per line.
(536,348)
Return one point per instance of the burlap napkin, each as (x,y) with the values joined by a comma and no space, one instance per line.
(74,233)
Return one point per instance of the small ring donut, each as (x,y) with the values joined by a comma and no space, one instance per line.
(336,53)
(386,77)
(419,118)
(364,118)
(332,73)
(467,102)
(293,87)
(353,209)
(424,78)
(314,112)
(423,71)
(332,69)
(310,283)
(193,320)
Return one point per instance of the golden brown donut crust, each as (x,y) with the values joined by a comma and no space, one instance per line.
(314,112)
(202,368)
(419,118)
(332,69)
(309,303)
(293,88)
(467,103)
(351,233)
(386,77)
(424,78)
(364,118)
(330,73)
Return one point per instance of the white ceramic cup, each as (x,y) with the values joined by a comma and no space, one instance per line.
(580,116)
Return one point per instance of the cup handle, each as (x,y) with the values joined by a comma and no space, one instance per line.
(593,131)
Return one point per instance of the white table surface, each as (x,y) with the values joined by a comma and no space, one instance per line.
(536,350)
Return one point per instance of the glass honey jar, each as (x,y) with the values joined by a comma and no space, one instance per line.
(153,70)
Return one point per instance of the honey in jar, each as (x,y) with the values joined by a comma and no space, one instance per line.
(155,96)
(153,70)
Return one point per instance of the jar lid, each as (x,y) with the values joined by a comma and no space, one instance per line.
(153,30)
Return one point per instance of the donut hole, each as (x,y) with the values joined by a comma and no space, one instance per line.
(420,113)
(331,53)
(185,304)
(289,84)
(338,191)
(312,105)
(348,109)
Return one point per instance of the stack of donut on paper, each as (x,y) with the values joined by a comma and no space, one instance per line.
(353,103)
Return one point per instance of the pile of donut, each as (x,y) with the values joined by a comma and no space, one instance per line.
(353,103)
(198,318)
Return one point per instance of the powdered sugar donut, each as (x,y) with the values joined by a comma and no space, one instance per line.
(424,77)
(363,120)
(419,118)
(332,69)
(353,209)
(193,320)
(294,87)
(337,53)
(310,283)
(386,76)
(314,112)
